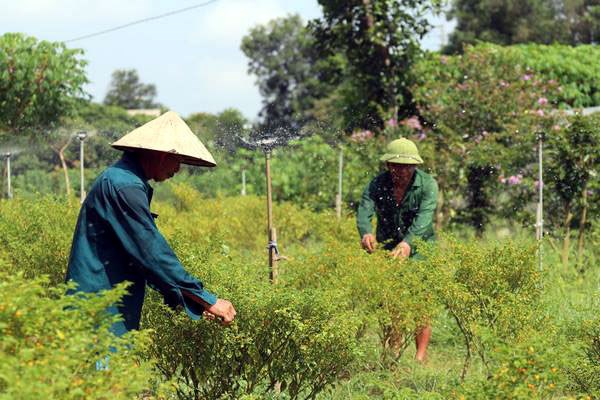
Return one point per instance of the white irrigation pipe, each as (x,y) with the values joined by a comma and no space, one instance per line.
(540,207)
(243,192)
(338,198)
(8,183)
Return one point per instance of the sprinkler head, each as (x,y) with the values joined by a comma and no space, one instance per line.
(82,135)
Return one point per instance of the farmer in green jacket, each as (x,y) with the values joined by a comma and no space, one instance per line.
(404,200)
(116,238)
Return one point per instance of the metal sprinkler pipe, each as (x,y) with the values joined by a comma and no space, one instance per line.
(540,208)
(338,197)
(8,176)
(243,191)
(272,246)
(267,144)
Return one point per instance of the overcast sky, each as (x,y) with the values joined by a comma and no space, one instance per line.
(193,58)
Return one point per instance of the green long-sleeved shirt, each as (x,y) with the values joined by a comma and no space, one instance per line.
(116,240)
(411,219)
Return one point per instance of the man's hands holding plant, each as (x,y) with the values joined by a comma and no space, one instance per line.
(402,250)
(369,243)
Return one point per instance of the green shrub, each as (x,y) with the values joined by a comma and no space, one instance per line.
(528,370)
(390,296)
(490,290)
(35,236)
(584,372)
(49,343)
(296,341)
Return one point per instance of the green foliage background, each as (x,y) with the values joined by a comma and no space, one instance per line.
(338,323)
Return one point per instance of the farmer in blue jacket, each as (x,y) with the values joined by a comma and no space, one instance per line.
(116,238)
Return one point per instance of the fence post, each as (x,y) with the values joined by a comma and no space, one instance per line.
(243,182)
(8,173)
(539,225)
(338,197)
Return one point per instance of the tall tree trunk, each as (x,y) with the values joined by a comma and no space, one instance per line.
(582,223)
(384,55)
(567,238)
(478,201)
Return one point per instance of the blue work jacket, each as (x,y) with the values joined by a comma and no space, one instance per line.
(116,240)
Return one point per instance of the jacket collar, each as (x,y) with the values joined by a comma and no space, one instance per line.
(130,163)
(416,182)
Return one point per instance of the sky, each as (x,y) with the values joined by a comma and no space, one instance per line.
(193,58)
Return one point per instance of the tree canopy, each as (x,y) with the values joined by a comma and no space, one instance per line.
(40,82)
(379,39)
(524,21)
(127,91)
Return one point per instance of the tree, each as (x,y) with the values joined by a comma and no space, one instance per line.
(222,130)
(40,82)
(128,92)
(573,155)
(510,22)
(379,40)
(483,109)
(289,72)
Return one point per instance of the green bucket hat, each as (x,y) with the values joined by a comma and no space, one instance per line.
(402,151)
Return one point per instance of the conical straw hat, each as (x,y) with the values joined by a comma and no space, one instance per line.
(169,134)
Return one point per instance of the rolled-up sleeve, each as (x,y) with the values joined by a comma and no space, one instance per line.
(134,226)
(365,213)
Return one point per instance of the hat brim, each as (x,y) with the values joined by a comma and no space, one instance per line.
(185,159)
(401,159)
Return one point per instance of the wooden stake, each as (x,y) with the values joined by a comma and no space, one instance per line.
(273,256)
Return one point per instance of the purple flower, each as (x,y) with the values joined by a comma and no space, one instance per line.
(392,122)
(539,113)
(537,184)
(542,101)
(412,123)
(515,179)
(361,136)
(527,77)
(421,136)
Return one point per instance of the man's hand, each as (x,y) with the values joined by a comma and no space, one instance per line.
(368,242)
(222,309)
(402,250)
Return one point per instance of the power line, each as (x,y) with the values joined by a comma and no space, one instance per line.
(116,28)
